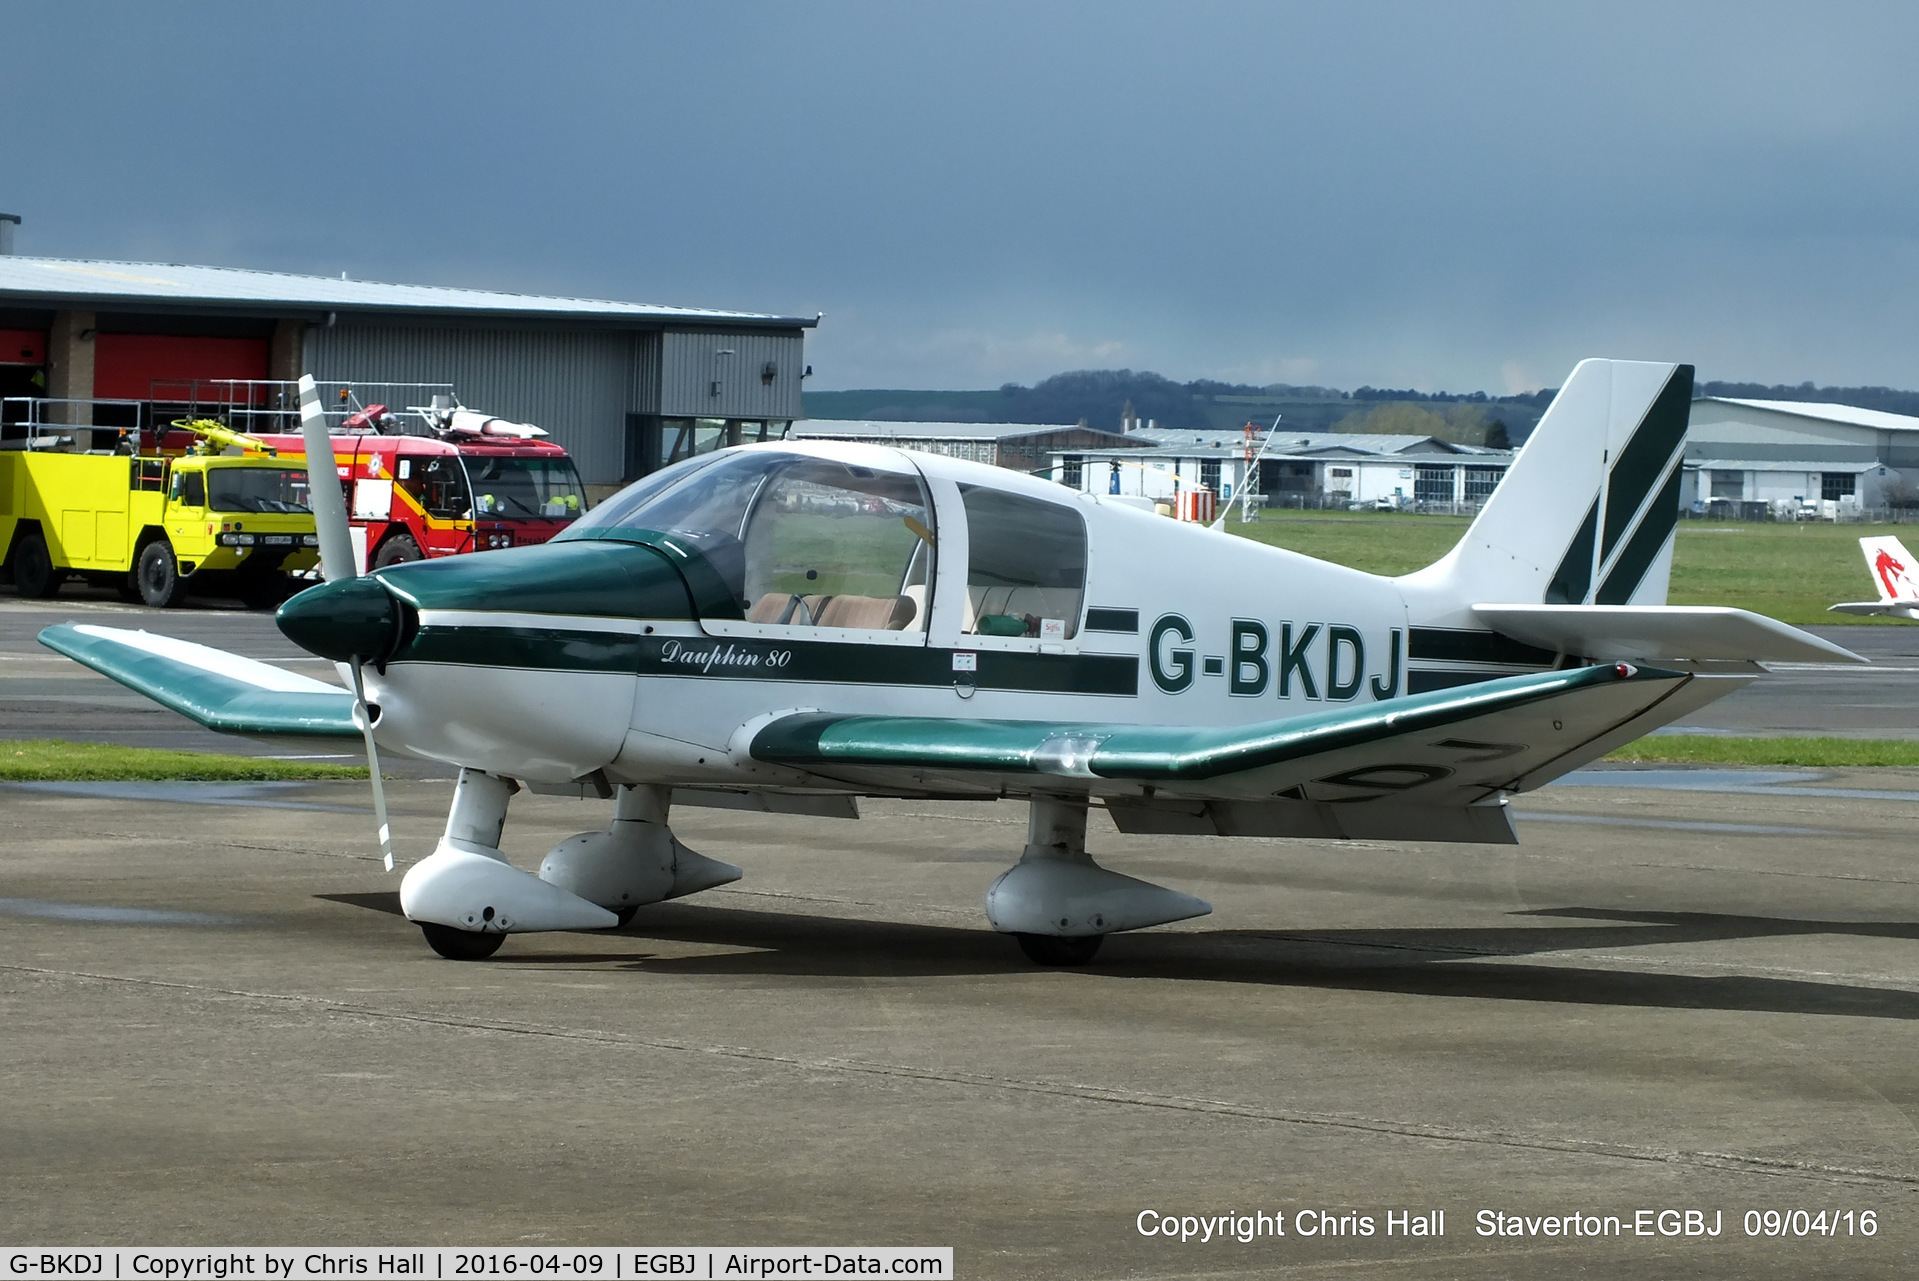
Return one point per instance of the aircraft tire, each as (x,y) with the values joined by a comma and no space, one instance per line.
(626,914)
(33,573)
(396,550)
(159,575)
(1051,950)
(460,945)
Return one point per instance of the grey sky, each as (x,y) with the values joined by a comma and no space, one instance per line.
(1427,195)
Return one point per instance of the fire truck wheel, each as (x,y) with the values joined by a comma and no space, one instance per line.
(33,571)
(396,550)
(160,583)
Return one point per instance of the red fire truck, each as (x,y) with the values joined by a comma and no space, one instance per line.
(475,483)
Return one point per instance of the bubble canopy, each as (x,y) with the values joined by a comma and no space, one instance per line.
(797,539)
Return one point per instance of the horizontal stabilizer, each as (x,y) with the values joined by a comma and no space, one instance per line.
(221,691)
(1878,608)
(1447,748)
(1656,633)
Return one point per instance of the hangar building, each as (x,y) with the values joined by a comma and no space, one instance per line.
(1783,454)
(624,387)
(1020,446)
(1318,469)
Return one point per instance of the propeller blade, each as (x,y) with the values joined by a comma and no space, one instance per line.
(323,488)
(365,717)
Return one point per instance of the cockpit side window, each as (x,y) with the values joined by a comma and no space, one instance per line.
(797,540)
(1026,562)
(834,545)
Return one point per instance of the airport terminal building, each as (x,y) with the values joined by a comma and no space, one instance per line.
(623,387)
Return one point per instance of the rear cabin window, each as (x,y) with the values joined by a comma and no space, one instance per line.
(1026,572)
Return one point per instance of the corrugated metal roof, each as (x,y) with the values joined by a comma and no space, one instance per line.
(43,281)
(873,429)
(1850,415)
(1486,457)
(1298,442)
(1753,464)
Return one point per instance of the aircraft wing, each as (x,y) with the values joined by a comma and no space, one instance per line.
(1654,633)
(1447,749)
(221,691)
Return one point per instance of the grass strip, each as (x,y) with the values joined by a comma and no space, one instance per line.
(1713,749)
(1784,571)
(43,760)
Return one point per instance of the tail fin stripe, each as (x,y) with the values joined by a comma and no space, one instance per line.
(1455,645)
(1575,572)
(1644,546)
(1659,435)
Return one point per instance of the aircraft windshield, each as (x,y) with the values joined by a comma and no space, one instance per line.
(801,541)
(257,489)
(613,512)
(525,488)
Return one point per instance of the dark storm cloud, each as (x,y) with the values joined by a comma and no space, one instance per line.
(1420,194)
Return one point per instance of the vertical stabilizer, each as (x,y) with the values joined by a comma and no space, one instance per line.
(1892,569)
(1587,513)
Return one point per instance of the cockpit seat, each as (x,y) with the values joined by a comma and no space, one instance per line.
(879,613)
(774,607)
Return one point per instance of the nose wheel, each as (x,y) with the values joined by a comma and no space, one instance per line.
(461,945)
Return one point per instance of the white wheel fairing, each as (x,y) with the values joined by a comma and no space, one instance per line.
(470,891)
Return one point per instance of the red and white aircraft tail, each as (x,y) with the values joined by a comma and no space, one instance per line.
(1895,573)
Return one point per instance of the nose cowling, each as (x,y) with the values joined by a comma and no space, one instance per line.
(347,620)
(376,618)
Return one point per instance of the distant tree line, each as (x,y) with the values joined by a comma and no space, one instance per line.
(1101,397)
(1886,399)
(1537,399)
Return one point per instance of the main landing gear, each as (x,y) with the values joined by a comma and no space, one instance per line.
(1059,905)
(1056,902)
(466,898)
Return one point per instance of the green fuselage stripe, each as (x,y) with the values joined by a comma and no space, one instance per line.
(559,648)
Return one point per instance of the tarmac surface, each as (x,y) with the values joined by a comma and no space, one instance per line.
(1684,990)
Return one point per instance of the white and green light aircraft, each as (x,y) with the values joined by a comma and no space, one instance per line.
(792,626)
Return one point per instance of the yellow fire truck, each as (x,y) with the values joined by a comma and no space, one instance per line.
(228,519)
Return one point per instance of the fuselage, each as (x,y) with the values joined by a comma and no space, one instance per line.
(647,643)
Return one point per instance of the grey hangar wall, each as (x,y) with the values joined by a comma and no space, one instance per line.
(582,385)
